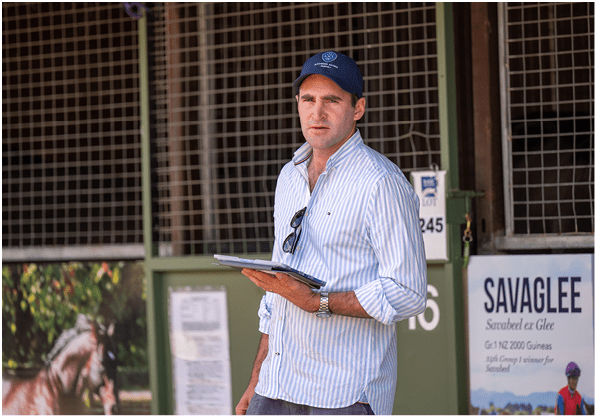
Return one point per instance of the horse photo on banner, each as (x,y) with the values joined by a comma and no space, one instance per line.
(529,317)
(74,338)
(82,358)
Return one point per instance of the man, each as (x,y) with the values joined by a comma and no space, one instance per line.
(569,401)
(351,219)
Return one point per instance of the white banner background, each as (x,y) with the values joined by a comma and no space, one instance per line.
(524,361)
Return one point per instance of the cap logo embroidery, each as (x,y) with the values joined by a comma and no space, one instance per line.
(339,67)
(329,56)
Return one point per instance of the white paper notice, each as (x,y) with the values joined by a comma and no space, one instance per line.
(200,351)
(430,187)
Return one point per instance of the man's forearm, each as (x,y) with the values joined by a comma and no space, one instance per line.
(340,303)
(346,304)
(261,355)
(299,294)
(244,402)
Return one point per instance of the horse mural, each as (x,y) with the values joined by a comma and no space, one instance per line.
(82,358)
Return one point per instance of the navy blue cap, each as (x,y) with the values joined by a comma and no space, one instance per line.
(339,67)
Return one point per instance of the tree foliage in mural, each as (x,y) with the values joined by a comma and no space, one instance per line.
(39,301)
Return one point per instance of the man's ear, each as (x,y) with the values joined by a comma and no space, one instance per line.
(360,108)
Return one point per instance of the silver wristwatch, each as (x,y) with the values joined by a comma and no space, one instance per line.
(324,306)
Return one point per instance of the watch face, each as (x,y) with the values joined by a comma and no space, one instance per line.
(323,314)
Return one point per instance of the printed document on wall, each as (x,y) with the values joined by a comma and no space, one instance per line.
(199,341)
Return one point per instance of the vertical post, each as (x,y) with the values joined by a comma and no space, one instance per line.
(206,137)
(175,128)
(447,93)
(145,134)
(505,116)
(159,395)
(450,163)
(487,139)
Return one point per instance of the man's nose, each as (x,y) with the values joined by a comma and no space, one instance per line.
(318,112)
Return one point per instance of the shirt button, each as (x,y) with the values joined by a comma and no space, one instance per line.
(276,353)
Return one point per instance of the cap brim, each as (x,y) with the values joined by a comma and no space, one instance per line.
(337,81)
(299,80)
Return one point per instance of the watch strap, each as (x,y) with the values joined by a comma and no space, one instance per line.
(324,305)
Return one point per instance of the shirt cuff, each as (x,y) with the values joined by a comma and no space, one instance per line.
(372,299)
(264,316)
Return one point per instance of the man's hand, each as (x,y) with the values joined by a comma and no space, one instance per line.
(294,291)
(244,401)
(254,376)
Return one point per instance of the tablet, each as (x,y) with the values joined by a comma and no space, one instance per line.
(270,268)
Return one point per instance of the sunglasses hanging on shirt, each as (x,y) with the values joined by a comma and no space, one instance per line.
(291,241)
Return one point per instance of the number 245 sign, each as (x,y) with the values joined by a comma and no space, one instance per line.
(431,225)
(430,187)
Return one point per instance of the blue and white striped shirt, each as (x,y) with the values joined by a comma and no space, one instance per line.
(360,232)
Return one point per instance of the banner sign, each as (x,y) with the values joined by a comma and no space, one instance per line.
(430,188)
(529,316)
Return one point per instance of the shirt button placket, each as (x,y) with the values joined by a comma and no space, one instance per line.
(276,348)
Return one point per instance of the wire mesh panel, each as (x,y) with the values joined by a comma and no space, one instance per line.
(224,118)
(549,67)
(71,173)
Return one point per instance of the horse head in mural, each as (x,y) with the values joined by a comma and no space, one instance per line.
(82,359)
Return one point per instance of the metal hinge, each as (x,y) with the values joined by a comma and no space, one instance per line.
(459,203)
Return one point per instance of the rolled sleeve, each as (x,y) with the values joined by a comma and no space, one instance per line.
(399,290)
(264,315)
(388,302)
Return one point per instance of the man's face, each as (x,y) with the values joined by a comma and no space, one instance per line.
(572,383)
(326,113)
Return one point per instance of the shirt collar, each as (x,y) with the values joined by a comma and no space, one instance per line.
(304,153)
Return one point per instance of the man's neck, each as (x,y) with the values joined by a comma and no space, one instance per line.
(315,168)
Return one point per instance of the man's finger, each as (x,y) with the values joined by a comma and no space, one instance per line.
(261,280)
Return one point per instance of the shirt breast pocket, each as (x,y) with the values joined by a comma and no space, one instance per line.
(339,222)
